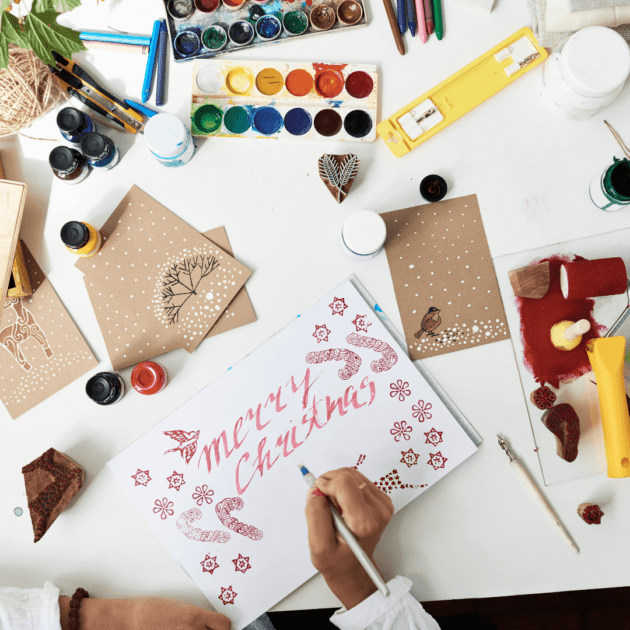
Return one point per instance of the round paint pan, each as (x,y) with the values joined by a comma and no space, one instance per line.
(180,9)
(234,5)
(327,123)
(256,12)
(295,23)
(207,6)
(239,80)
(241,33)
(268,120)
(299,82)
(209,80)
(349,12)
(323,17)
(213,38)
(269,81)
(298,121)
(329,83)
(208,119)
(237,119)
(358,123)
(187,42)
(359,84)
(260,2)
(268,28)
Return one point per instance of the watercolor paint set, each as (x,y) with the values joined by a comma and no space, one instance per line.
(289,100)
(209,28)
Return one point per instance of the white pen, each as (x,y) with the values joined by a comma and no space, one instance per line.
(348,536)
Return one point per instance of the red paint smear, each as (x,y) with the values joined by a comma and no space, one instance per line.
(320,67)
(546,363)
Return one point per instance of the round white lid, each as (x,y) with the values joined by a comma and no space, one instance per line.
(364,232)
(209,80)
(166,135)
(595,61)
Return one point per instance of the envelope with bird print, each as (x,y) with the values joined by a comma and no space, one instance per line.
(444,279)
(156,263)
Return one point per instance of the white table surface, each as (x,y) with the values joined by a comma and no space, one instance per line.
(478,533)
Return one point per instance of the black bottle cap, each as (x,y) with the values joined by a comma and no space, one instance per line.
(70,120)
(64,159)
(103,387)
(75,234)
(94,145)
(433,188)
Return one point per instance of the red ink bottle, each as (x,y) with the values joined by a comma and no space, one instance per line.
(149,378)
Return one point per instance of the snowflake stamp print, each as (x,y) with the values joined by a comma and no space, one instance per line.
(421,411)
(227,595)
(401,429)
(187,443)
(241,564)
(141,477)
(209,565)
(361,323)
(401,389)
(434,437)
(338,306)
(321,333)
(163,508)
(437,460)
(176,480)
(201,494)
(409,457)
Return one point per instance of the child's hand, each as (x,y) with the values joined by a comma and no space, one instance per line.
(366,510)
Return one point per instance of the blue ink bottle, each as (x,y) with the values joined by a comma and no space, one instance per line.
(74,124)
(100,151)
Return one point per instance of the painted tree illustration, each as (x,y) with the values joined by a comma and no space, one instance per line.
(180,283)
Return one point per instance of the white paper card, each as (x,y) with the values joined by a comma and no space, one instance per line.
(218,479)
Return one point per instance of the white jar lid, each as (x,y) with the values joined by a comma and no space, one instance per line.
(166,135)
(364,232)
(595,61)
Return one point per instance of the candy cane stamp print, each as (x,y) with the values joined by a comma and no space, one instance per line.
(388,356)
(223,510)
(184,524)
(353,360)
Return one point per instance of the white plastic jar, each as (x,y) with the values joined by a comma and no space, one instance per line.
(169,140)
(585,73)
(363,235)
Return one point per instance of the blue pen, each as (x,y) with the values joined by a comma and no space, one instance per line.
(161,69)
(411,17)
(143,109)
(402,16)
(150,69)
(115,38)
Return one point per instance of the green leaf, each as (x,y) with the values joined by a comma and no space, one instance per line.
(13,32)
(4,51)
(44,35)
(60,6)
(4,4)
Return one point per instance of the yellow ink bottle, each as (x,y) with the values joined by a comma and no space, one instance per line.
(81,238)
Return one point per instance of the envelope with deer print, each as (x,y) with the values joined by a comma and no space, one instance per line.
(218,479)
(41,350)
(159,265)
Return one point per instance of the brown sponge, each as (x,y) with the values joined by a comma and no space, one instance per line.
(590,513)
(564,423)
(52,481)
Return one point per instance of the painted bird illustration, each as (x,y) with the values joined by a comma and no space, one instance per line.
(187,443)
(429,323)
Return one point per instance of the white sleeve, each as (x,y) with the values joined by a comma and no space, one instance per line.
(399,611)
(30,608)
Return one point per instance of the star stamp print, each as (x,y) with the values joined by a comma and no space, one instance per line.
(141,477)
(241,564)
(391,481)
(437,460)
(209,564)
(409,457)
(321,333)
(361,323)
(434,437)
(176,480)
(338,306)
(227,595)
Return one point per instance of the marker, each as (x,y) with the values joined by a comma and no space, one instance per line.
(116,38)
(348,536)
(142,109)
(150,68)
(161,70)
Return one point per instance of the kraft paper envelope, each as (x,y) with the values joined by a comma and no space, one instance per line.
(129,343)
(163,268)
(444,279)
(41,349)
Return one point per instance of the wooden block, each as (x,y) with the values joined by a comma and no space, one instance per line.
(530,282)
(338,173)
(590,513)
(12,198)
(564,423)
(19,282)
